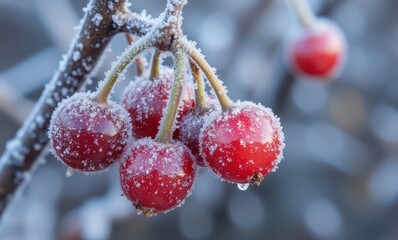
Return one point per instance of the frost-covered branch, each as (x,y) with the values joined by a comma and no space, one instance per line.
(128,22)
(100,24)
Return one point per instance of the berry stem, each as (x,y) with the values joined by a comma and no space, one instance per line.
(165,133)
(200,95)
(119,67)
(138,61)
(304,12)
(222,96)
(155,65)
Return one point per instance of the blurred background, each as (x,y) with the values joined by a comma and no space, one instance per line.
(339,178)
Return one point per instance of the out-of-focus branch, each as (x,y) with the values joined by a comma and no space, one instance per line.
(246,26)
(101,22)
(139,62)
(11,100)
(60,32)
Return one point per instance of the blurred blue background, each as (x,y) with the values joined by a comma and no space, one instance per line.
(339,178)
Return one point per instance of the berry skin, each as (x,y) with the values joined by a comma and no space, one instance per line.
(157,177)
(190,128)
(318,52)
(243,144)
(89,136)
(145,100)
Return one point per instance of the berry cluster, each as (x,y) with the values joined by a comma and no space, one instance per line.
(167,125)
(241,143)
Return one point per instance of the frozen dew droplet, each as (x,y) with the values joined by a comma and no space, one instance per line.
(243,187)
(69,172)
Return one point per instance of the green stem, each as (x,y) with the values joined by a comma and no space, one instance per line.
(119,66)
(200,95)
(165,133)
(222,96)
(155,65)
(304,12)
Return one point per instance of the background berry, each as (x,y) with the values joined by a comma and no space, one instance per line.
(318,51)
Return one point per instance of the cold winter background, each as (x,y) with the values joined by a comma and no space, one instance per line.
(339,178)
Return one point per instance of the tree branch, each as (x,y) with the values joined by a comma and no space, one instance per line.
(128,22)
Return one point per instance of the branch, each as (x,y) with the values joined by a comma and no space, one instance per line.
(98,27)
(133,23)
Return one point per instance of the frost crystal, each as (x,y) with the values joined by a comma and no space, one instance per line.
(97,19)
(76,56)
(118,20)
(110,5)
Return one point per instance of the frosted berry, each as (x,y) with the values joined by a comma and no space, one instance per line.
(243,144)
(317,52)
(145,100)
(157,177)
(190,128)
(89,136)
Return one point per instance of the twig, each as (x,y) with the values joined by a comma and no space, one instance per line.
(251,19)
(100,24)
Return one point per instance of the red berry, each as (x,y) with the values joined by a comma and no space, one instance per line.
(157,177)
(145,100)
(319,51)
(89,136)
(243,144)
(190,128)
